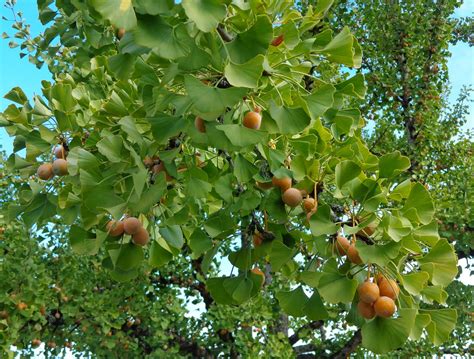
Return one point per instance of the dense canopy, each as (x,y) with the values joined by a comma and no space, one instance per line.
(194,175)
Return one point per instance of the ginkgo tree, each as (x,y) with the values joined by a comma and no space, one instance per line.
(222,131)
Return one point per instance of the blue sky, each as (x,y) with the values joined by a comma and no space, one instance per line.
(19,72)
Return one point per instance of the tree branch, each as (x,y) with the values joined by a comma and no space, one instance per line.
(309,326)
(223,33)
(301,349)
(350,346)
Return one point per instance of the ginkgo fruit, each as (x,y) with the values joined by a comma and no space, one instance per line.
(131,225)
(160,167)
(384,307)
(309,203)
(342,245)
(22,306)
(292,197)
(353,254)
(264,185)
(389,288)
(379,277)
(366,310)
(115,228)
(278,40)
(259,272)
(45,171)
(367,231)
(121,33)
(200,124)
(368,292)
(283,183)
(141,237)
(148,161)
(60,152)
(35,343)
(60,167)
(257,239)
(252,120)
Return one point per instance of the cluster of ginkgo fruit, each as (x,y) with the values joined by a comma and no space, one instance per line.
(46,171)
(131,226)
(344,247)
(292,197)
(252,120)
(377,298)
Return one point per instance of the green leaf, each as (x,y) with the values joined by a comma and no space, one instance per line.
(129,127)
(129,257)
(224,187)
(119,12)
(427,234)
(210,101)
(343,49)
(274,206)
(293,302)
(245,75)
(153,7)
(443,322)
(62,98)
(440,263)
(199,242)
(419,205)
(393,164)
(83,242)
(122,65)
(205,13)
(355,86)
(378,254)
(319,101)
(159,256)
(39,210)
(241,292)
(289,120)
(219,223)
(335,287)
(139,180)
(243,169)
(345,172)
(253,42)
(198,183)
(434,293)
(151,196)
(173,235)
(218,292)
(383,335)
(396,227)
(280,254)
(321,222)
(163,127)
(402,190)
(79,158)
(241,136)
(111,147)
(17,95)
(421,321)
(415,282)
(166,41)
(242,258)
(314,308)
